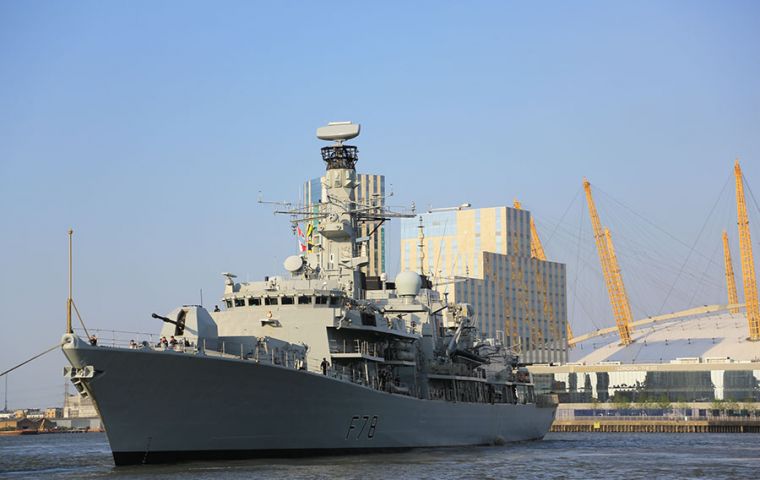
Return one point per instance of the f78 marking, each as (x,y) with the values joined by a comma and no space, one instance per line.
(361,426)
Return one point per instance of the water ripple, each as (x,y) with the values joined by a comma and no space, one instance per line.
(560,456)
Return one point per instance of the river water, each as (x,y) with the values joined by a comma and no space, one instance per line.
(559,455)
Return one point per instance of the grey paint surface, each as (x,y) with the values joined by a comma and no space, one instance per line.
(168,401)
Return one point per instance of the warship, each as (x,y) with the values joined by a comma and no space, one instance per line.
(323,359)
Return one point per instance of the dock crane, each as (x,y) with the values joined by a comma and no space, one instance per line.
(733,298)
(537,251)
(747,260)
(621,309)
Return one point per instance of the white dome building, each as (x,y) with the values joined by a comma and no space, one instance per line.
(702,358)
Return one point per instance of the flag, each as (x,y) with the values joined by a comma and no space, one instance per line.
(309,237)
(301,239)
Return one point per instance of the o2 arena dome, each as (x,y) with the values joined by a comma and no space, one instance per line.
(699,338)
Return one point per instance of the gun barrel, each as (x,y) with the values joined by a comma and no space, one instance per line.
(167,320)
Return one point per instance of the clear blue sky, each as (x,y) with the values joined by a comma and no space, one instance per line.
(150,127)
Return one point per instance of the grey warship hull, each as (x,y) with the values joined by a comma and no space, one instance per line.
(163,406)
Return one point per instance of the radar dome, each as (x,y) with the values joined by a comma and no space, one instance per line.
(293,263)
(408,284)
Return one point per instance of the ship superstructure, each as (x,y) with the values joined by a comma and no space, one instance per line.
(322,360)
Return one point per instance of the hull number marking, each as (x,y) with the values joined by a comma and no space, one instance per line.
(361,426)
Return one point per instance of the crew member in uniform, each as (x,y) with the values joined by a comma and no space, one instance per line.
(325,364)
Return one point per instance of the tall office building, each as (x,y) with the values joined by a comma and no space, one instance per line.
(482,257)
(370,190)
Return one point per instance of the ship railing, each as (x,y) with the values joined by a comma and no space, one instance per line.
(340,372)
(140,340)
(374,349)
(358,376)
(257,352)
(453,369)
(314,365)
(120,338)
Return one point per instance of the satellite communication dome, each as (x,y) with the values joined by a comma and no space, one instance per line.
(293,263)
(408,284)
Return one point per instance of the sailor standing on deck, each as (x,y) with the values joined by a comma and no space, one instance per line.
(325,364)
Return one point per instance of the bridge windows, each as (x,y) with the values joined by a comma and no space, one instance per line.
(321,300)
(332,301)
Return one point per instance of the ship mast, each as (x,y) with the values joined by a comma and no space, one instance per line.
(69,328)
(339,255)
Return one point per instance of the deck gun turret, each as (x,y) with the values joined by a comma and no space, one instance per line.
(180,323)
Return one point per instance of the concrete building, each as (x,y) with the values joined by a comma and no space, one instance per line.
(370,190)
(54,412)
(76,406)
(482,257)
(35,414)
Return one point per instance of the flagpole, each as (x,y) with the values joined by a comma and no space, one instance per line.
(69,328)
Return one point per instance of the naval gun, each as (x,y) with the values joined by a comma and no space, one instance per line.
(179,323)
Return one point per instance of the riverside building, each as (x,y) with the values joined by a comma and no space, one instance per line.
(483,257)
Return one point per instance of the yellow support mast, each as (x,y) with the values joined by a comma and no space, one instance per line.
(536,248)
(621,309)
(537,251)
(733,298)
(747,259)
(518,280)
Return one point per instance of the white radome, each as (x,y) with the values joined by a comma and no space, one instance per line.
(408,284)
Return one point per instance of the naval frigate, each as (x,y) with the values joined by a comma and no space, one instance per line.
(322,360)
